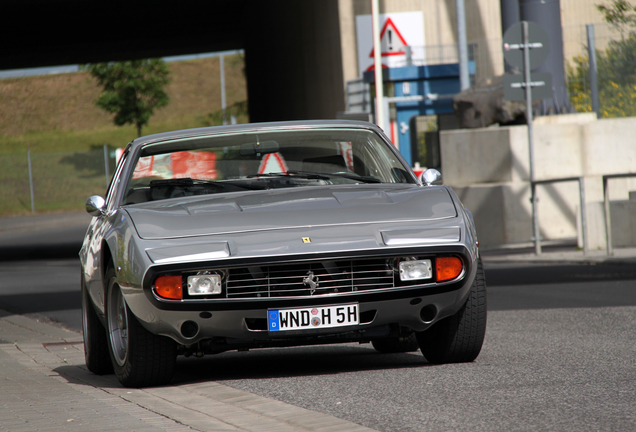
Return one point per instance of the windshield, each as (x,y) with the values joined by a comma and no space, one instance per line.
(260,161)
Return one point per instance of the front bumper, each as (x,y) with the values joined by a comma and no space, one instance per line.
(245,323)
(242,322)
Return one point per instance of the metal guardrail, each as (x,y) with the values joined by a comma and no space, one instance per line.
(582,207)
(606,204)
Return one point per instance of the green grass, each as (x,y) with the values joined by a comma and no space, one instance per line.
(67,166)
(86,140)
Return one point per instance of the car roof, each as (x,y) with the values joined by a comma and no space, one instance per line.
(249,127)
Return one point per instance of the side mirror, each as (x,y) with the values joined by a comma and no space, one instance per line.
(95,205)
(430,176)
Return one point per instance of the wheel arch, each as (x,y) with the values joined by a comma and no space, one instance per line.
(107,260)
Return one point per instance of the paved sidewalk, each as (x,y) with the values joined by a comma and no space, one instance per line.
(44,386)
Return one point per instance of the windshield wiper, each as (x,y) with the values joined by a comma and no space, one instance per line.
(267,175)
(184,182)
(308,175)
(319,176)
(300,174)
(363,179)
(189,182)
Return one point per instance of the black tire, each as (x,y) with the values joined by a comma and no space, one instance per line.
(139,358)
(95,338)
(459,338)
(396,345)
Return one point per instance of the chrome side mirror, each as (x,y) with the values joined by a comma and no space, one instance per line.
(95,205)
(429,176)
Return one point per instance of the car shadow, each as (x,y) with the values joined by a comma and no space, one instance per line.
(264,364)
(291,362)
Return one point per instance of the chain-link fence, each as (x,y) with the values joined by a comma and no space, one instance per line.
(49,182)
(614,50)
(480,53)
(615,55)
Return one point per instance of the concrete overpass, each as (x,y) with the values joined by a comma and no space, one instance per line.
(292,48)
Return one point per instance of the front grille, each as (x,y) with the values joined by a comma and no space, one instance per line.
(315,278)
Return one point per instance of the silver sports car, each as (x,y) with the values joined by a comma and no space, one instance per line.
(275,235)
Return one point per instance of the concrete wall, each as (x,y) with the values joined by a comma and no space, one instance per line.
(489,169)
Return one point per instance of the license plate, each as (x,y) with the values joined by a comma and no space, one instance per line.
(312,317)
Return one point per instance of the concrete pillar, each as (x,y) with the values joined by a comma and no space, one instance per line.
(547,13)
(293,60)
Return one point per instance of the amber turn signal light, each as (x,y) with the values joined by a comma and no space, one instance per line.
(169,287)
(448,268)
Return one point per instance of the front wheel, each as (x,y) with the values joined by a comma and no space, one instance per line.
(459,338)
(139,358)
(95,343)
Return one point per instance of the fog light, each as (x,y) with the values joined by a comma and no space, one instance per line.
(414,270)
(204,284)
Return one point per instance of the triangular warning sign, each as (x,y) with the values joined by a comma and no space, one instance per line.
(391,41)
(272,163)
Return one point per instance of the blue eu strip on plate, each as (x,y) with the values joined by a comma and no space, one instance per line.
(272,318)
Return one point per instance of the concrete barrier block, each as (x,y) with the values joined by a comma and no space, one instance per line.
(623,217)
(476,156)
(609,146)
(486,203)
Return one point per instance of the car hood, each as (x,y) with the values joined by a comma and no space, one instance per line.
(290,208)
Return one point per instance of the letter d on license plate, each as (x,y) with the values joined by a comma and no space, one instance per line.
(312,317)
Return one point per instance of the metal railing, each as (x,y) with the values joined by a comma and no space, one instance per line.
(582,207)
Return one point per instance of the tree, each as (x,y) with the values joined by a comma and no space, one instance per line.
(132,90)
(620,14)
(616,67)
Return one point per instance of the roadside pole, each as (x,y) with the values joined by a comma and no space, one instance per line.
(526,46)
(223,103)
(106,167)
(533,186)
(462,45)
(377,61)
(31,181)
(591,55)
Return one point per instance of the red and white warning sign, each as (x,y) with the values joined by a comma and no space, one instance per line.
(397,30)
(391,41)
(273,163)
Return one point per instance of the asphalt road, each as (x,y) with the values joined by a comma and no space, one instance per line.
(559,355)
